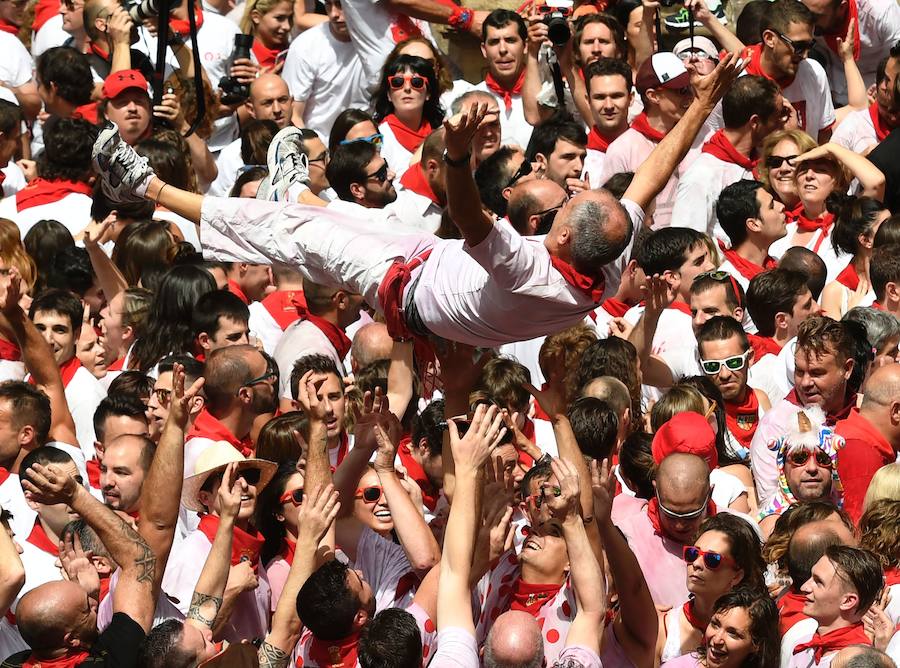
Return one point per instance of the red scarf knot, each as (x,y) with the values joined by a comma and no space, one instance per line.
(43,191)
(264,55)
(691,617)
(742,419)
(642,124)
(720,147)
(849,277)
(244,546)
(335,334)
(208,426)
(414,179)
(763,345)
(506,93)
(745,267)
(615,307)
(807,224)
(183,26)
(8,27)
(591,287)
(597,141)
(834,641)
(408,138)
(527,597)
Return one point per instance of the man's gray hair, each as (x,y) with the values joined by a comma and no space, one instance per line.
(457,104)
(880,326)
(593,245)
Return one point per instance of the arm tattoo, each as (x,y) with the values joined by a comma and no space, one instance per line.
(197,601)
(145,560)
(272,657)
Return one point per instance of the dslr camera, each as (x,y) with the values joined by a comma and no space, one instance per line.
(139,10)
(555,16)
(233,91)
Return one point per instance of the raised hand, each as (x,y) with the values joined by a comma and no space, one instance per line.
(97,232)
(552,399)
(180,406)
(846,46)
(484,434)
(10,290)
(461,128)
(308,398)
(387,450)
(78,565)
(658,294)
(49,484)
(230,492)
(375,411)
(317,514)
(713,86)
(603,484)
(564,505)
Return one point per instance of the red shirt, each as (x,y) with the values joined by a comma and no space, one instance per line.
(866,450)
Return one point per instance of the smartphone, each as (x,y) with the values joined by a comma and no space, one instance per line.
(280,58)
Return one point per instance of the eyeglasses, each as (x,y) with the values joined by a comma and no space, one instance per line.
(524,170)
(691,515)
(381,174)
(541,496)
(415,81)
(736,363)
(776,161)
(295,496)
(163,396)
(712,560)
(722,277)
(271,374)
(800,456)
(798,46)
(698,56)
(376,140)
(371,494)
(323,158)
(548,216)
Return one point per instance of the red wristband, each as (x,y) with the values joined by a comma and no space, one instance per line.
(461,18)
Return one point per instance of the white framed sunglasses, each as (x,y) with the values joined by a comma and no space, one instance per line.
(736,363)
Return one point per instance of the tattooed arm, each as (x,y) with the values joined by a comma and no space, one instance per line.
(135,594)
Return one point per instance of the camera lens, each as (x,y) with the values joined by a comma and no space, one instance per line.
(558,30)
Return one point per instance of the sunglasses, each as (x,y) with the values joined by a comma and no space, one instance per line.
(415,81)
(376,140)
(735,363)
(548,9)
(776,161)
(712,560)
(547,217)
(380,175)
(295,496)
(722,277)
(271,374)
(541,496)
(798,46)
(692,515)
(800,456)
(371,494)
(524,170)
(249,476)
(163,397)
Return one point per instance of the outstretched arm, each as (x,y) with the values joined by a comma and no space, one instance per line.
(652,176)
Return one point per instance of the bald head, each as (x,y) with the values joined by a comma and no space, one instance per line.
(226,370)
(882,388)
(47,613)
(370,344)
(806,547)
(529,198)
(514,640)
(680,472)
(611,390)
(270,99)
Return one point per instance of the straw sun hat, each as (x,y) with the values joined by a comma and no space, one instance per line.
(214,460)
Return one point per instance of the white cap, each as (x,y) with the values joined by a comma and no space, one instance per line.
(700,43)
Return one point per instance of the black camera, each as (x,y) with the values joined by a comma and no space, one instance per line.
(233,91)
(555,16)
(139,10)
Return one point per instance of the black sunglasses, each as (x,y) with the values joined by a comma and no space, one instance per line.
(524,170)
(776,161)
(381,174)
(798,46)
(270,374)
(547,218)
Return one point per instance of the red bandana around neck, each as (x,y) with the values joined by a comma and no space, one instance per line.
(70,660)
(334,653)
(9,351)
(288,547)
(592,287)
(414,469)
(414,179)
(892,576)
(7,27)
(183,26)
(849,277)
(720,147)
(691,617)
(335,334)
(281,306)
(834,641)
(4,475)
(42,191)
(763,345)
(745,267)
(530,598)
(597,141)
(235,289)
(264,55)
(831,39)
(755,68)
(743,419)
(407,137)
(44,10)
(678,305)
(68,370)
(244,546)
(830,418)
(642,124)
(39,538)
(93,470)
(881,132)
(208,426)
(506,93)
(615,307)
(806,224)
(790,610)
(653,515)
(97,51)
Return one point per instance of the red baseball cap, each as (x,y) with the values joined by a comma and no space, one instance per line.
(689,433)
(662,70)
(118,82)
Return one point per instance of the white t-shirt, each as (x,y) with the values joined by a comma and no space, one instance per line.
(395,154)
(301,338)
(12,498)
(594,166)
(14,179)
(16,66)
(51,34)
(819,243)
(416,210)
(698,191)
(856,132)
(229,162)
(83,394)
(72,210)
(327,75)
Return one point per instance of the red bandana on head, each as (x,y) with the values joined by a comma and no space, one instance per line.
(642,124)
(244,546)
(745,267)
(407,137)
(834,641)
(415,471)
(530,598)
(335,334)
(592,287)
(831,38)
(597,141)
(414,179)
(743,419)
(71,659)
(506,93)
(264,55)
(183,26)
(334,653)
(755,68)
(281,305)
(720,147)
(43,191)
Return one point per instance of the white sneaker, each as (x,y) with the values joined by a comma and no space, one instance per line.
(288,168)
(124,174)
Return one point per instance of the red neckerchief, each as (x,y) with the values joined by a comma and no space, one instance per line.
(235,289)
(830,418)
(719,147)
(87,112)
(334,653)
(118,365)
(68,370)
(530,598)
(743,430)
(745,267)
(408,138)
(597,141)
(335,334)
(415,471)
(806,224)
(892,576)
(848,277)
(93,471)
(70,660)
(615,307)
(43,191)
(881,132)
(281,306)
(288,547)
(39,538)
(343,448)
(839,32)
(878,306)
(653,514)
(97,51)
(4,475)
(183,26)
(592,287)
(5,26)
(44,10)
(681,306)
(755,68)
(264,55)
(10,351)
(414,179)
(835,640)
(688,610)
(505,93)
(642,124)
(244,546)
(763,345)
(407,583)
(104,587)
(790,610)
(208,426)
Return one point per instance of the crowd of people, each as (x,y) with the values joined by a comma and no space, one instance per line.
(314,353)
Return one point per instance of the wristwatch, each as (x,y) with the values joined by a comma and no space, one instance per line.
(462,162)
